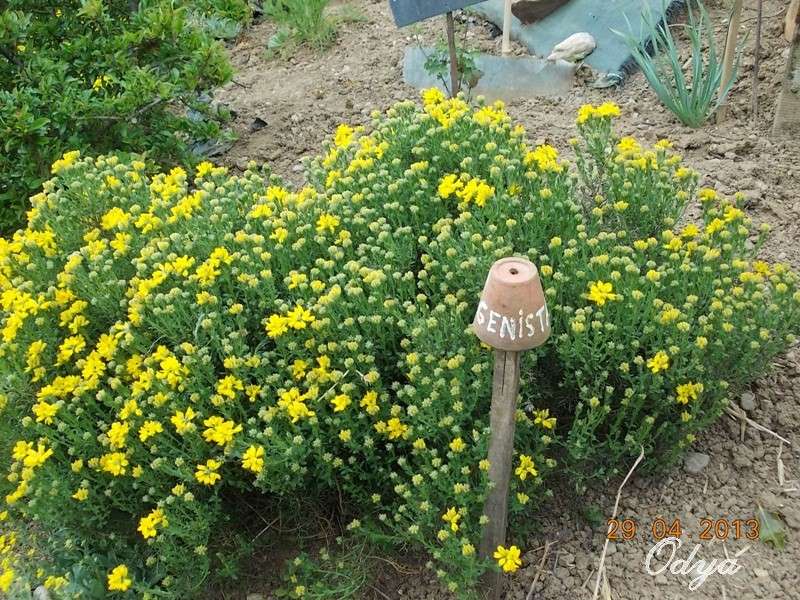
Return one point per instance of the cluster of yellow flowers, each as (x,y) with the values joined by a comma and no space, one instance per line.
(164,343)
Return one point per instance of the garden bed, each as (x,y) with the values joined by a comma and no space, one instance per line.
(304,98)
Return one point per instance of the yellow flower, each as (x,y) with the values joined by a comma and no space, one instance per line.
(345,435)
(340,402)
(276,326)
(327,222)
(203,169)
(44,412)
(114,463)
(207,473)
(543,418)
(396,429)
(526,467)
(370,402)
(220,431)
(228,386)
(299,317)
(605,110)
(689,391)
(545,157)
(118,580)
(449,185)
(660,362)
(253,459)
(6,579)
(149,429)
(118,434)
(115,217)
(457,445)
(452,517)
(344,136)
(601,292)
(81,495)
(509,559)
(432,96)
(476,190)
(182,420)
(148,524)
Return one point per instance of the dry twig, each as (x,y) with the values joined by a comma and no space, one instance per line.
(538,570)
(601,567)
(738,413)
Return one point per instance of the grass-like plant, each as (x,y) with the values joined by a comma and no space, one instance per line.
(692,96)
(305,23)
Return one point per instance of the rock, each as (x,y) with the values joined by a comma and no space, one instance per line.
(576,47)
(41,593)
(695,462)
(255,596)
(257,125)
(761,573)
(748,401)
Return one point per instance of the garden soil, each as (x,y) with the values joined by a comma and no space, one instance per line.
(286,107)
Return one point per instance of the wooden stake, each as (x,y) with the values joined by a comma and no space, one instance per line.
(455,84)
(731,43)
(787,109)
(792,18)
(757,60)
(505,387)
(507,28)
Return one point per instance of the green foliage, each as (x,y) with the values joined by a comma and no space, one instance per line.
(771,529)
(437,64)
(305,23)
(94,76)
(328,577)
(172,346)
(692,96)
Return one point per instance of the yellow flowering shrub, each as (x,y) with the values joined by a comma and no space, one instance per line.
(172,344)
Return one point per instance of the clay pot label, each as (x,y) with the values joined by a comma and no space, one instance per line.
(512,314)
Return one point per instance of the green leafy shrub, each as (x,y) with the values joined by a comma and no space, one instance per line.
(692,96)
(93,75)
(169,346)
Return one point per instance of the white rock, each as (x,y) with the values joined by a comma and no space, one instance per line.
(748,401)
(695,462)
(574,48)
(41,593)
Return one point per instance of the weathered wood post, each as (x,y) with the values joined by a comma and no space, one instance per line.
(506,48)
(455,78)
(731,45)
(512,317)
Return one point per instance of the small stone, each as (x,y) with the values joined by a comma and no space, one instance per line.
(748,401)
(661,579)
(255,596)
(574,48)
(41,593)
(695,462)
(761,573)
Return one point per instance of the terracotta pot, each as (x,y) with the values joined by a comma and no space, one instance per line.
(512,314)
